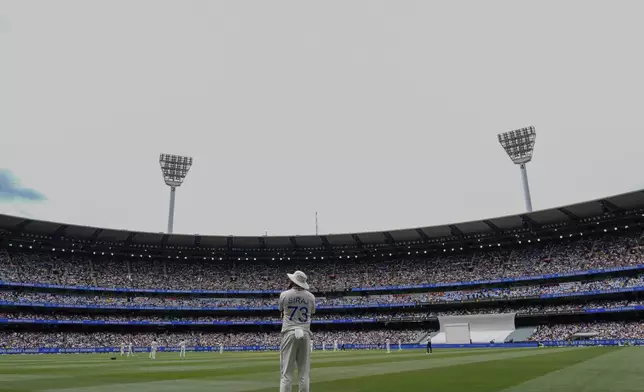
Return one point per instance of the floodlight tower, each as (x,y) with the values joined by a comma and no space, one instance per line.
(175,169)
(519,144)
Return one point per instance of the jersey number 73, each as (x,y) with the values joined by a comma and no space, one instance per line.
(303,311)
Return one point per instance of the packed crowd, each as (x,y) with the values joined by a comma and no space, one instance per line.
(114,339)
(369,316)
(491,294)
(20,339)
(595,330)
(432,297)
(143,318)
(534,259)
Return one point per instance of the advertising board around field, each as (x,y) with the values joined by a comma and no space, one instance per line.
(215,349)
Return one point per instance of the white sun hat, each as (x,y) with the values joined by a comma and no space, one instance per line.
(299,278)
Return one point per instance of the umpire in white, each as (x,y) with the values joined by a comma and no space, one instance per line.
(297,305)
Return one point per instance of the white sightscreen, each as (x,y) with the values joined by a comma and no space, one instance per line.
(483,327)
(457,333)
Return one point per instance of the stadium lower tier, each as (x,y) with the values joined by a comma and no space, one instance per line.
(370,268)
(594,330)
(60,339)
(68,339)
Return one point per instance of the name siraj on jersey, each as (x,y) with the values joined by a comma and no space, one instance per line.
(297,301)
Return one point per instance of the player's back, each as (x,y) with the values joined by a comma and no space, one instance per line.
(297,306)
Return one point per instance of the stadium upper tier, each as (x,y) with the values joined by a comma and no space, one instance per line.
(559,256)
(593,235)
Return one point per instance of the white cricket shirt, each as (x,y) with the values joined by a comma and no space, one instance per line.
(297,306)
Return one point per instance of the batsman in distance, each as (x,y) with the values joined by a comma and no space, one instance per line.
(297,305)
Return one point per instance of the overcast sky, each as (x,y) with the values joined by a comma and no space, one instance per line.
(378,115)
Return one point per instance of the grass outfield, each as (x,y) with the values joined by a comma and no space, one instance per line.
(509,370)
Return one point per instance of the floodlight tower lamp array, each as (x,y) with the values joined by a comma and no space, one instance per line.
(519,145)
(174,168)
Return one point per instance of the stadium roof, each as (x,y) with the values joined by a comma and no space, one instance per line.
(555,216)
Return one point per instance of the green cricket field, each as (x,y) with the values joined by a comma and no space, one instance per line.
(588,369)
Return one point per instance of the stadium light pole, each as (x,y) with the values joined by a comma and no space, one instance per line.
(519,145)
(174,169)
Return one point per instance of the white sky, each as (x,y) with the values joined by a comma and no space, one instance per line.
(379,115)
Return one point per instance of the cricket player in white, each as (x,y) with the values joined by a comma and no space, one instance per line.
(297,305)
(388,343)
(182,349)
(130,349)
(221,348)
(335,345)
(122,349)
(399,345)
(153,350)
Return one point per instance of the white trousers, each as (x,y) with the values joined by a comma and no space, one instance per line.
(295,353)
(122,352)
(130,352)
(182,352)
(153,354)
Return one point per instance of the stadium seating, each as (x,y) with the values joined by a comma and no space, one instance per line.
(93,292)
(554,258)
